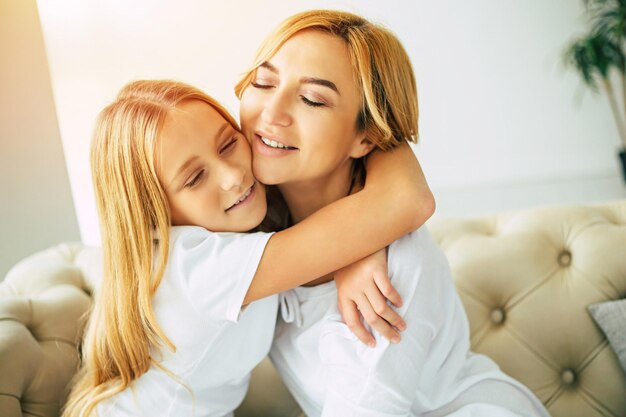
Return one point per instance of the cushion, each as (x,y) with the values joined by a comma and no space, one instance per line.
(611,317)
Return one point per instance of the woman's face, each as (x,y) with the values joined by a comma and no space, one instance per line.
(300,111)
(204,165)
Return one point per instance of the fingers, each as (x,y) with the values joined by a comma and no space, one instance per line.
(376,321)
(383,310)
(387,289)
(352,318)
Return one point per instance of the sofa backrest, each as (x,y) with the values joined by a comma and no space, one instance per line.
(525,278)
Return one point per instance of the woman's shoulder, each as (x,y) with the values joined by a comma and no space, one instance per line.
(419,240)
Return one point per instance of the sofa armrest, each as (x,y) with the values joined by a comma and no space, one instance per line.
(43,306)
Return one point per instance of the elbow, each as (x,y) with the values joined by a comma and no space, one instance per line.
(422,207)
(428,207)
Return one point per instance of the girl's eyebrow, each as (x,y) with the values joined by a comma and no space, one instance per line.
(183,167)
(304,80)
(191,160)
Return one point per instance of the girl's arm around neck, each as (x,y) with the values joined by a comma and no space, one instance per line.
(395,201)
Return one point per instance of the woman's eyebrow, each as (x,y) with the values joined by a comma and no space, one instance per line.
(304,80)
(269,66)
(320,81)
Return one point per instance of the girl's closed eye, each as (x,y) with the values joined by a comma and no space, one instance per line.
(195,179)
(229,145)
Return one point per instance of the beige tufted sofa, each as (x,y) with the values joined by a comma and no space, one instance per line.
(525,278)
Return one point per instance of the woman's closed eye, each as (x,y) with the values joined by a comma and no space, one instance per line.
(261,84)
(312,103)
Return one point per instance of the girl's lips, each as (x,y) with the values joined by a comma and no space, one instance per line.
(266,150)
(251,194)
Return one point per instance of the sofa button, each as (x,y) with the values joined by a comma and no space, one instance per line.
(497,316)
(568,377)
(565,258)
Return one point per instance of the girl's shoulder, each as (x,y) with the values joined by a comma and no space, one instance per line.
(213,270)
(183,232)
(192,237)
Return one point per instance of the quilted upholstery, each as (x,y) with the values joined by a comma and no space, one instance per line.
(525,279)
(43,301)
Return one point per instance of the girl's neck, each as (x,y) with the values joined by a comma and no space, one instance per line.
(304,198)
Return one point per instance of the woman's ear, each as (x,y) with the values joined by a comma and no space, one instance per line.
(361,147)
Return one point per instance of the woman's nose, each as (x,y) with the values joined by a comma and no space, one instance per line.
(275,111)
(231,176)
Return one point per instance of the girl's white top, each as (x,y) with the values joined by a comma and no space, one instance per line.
(199,307)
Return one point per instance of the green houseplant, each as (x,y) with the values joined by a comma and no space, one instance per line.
(599,58)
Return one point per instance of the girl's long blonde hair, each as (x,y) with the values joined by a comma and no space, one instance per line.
(133,209)
(381,66)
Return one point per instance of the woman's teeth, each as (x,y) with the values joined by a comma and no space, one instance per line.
(274,144)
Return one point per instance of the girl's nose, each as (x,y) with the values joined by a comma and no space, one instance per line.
(231,176)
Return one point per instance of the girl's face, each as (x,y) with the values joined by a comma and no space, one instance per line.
(300,111)
(205,168)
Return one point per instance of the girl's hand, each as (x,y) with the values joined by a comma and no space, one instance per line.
(363,288)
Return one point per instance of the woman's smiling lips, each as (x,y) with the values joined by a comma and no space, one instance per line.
(269,146)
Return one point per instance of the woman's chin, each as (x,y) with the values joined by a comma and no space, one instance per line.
(268,176)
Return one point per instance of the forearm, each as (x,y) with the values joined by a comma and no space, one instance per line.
(348,229)
(331,238)
(398,177)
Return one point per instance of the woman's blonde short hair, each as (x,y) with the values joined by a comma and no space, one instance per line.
(382,68)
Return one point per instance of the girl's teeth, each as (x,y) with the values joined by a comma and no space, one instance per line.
(243,197)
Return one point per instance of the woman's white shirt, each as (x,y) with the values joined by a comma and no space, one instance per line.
(199,307)
(431,372)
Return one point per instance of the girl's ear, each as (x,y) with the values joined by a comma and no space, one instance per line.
(361,147)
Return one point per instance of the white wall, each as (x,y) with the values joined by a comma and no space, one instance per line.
(36,209)
(500,126)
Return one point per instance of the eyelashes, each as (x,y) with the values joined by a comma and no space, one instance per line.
(261,86)
(195,179)
(229,146)
(305,100)
(311,102)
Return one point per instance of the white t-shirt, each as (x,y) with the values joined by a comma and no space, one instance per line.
(431,372)
(198,305)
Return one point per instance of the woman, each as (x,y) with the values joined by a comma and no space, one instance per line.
(326,87)
(169,334)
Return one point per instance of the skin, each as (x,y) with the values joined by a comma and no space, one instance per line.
(204,165)
(306,98)
(325,137)
(205,169)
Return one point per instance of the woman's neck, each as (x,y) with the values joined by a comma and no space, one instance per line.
(304,198)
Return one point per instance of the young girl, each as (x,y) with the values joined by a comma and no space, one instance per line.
(324,83)
(184,311)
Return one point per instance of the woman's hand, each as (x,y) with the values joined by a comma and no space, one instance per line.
(363,288)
